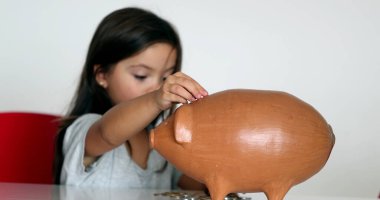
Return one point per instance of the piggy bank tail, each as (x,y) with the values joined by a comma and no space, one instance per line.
(332,135)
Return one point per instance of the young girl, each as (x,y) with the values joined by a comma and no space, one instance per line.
(130,77)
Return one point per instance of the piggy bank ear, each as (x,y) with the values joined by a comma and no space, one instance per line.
(183,121)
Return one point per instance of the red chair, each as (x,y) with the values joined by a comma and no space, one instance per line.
(27,147)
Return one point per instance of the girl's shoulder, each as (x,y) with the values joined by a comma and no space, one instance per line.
(84,122)
(89,116)
(78,129)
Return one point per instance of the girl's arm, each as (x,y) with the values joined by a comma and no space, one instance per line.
(126,119)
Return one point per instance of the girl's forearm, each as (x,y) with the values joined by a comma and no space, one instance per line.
(121,123)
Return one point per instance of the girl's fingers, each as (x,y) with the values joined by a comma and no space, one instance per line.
(198,86)
(179,88)
(189,84)
(176,98)
(181,92)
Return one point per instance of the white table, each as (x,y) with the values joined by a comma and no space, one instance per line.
(18,191)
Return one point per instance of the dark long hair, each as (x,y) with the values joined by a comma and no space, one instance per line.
(121,34)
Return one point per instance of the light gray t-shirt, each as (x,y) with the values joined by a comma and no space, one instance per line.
(114,168)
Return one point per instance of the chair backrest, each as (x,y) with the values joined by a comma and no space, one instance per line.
(27,143)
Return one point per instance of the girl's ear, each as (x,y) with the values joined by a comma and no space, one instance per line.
(100,76)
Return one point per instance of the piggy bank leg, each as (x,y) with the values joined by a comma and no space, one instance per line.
(276,191)
(217,188)
(217,193)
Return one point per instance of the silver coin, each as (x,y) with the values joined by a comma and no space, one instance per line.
(188,196)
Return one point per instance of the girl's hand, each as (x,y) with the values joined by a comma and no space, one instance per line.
(178,88)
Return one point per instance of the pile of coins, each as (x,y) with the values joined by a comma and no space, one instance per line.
(195,196)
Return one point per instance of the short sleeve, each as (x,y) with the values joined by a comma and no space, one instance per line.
(73,147)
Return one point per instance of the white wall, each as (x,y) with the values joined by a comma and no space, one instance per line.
(325,52)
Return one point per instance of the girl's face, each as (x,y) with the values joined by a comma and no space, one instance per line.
(139,74)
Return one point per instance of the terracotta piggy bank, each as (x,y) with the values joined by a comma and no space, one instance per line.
(246,141)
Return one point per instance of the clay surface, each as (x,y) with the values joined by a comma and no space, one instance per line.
(246,141)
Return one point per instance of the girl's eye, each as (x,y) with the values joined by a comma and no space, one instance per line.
(138,77)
